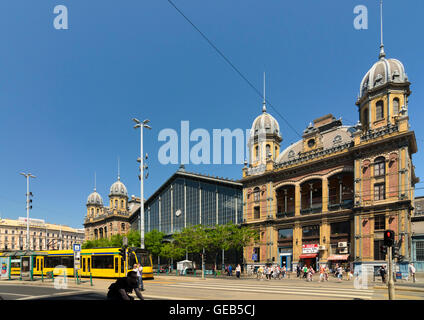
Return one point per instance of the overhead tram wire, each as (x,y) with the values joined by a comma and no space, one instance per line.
(233,67)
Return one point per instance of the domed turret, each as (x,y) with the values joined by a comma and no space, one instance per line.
(94,199)
(265,138)
(382,73)
(118,189)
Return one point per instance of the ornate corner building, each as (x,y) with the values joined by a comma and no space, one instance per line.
(328,197)
(104,222)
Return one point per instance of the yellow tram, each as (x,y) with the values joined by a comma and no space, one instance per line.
(100,262)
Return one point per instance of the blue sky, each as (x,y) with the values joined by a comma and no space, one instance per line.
(67,96)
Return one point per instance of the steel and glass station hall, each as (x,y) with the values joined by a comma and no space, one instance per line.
(188,198)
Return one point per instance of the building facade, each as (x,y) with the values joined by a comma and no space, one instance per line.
(102,221)
(190,199)
(418,234)
(328,197)
(43,236)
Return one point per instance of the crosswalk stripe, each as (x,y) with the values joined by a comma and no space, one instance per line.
(294,291)
(292,287)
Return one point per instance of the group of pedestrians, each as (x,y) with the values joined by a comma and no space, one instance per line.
(229,270)
(272,272)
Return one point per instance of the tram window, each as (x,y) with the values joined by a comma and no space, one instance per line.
(144,260)
(122,265)
(116,265)
(68,261)
(102,262)
(89,264)
(84,261)
(53,262)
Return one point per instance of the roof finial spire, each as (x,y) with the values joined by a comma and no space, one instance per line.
(264,102)
(119,175)
(382,53)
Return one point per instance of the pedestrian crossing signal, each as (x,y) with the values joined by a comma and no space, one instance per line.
(389,238)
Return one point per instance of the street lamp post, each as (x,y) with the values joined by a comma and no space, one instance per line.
(141,125)
(28,206)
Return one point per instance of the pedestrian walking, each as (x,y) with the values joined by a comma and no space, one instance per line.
(383,272)
(230,270)
(238,271)
(310,273)
(260,272)
(321,273)
(136,269)
(412,272)
(305,272)
(298,269)
(340,273)
(326,272)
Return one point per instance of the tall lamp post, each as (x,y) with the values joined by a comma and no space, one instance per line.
(141,125)
(28,202)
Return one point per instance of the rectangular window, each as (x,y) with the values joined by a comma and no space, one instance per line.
(257,251)
(285,234)
(340,228)
(257,213)
(379,191)
(310,231)
(380,222)
(102,262)
(420,250)
(379,169)
(377,251)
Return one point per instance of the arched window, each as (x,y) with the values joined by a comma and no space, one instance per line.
(122,204)
(256,153)
(116,204)
(268,150)
(97,211)
(256,194)
(92,211)
(379,110)
(395,106)
(123,227)
(379,167)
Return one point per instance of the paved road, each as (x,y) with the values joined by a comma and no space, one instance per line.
(185,288)
(31,292)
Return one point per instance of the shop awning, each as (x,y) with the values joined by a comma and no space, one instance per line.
(338,257)
(308,255)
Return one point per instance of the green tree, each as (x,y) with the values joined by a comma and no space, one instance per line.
(171,251)
(153,243)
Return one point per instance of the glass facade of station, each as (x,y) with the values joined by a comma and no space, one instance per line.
(191,199)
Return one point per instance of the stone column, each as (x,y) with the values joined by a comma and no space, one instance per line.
(325,195)
(297,199)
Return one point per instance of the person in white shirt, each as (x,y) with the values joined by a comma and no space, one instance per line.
(412,271)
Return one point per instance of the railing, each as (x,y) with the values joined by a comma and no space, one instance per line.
(346,204)
(315,208)
(285,214)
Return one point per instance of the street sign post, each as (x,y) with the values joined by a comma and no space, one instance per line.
(77,258)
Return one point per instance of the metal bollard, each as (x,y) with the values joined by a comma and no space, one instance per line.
(91,279)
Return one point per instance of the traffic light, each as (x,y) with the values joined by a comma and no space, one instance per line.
(395,252)
(122,252)
(383,250)
(389,238)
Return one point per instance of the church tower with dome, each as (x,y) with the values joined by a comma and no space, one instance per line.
(104,222)
(327,198)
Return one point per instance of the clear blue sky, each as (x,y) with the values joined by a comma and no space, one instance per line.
(67,96)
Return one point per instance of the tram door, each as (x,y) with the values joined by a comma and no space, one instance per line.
(83,266)
(117,267)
